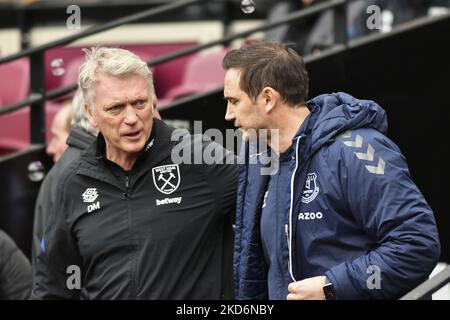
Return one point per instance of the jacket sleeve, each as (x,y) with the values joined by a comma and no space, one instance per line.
(15,271)
(37,225)
(42,207)
(58,264)
(386,203)
(222,177)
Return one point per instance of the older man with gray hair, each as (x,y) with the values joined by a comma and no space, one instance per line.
(129,222)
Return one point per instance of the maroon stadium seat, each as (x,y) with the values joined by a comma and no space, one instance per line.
(14,81)
(15,130)
(14,85)
(203,72)
(62,56)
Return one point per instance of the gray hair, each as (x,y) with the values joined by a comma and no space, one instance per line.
(114,62)
(79,119)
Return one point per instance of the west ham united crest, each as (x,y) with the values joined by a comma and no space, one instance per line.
(311,189)
(166,178)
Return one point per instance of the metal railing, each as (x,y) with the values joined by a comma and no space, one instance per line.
(426,289)
(38,95)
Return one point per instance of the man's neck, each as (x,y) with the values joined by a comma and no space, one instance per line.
(124,160)
(287,121)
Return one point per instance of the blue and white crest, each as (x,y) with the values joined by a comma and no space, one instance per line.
(311,189)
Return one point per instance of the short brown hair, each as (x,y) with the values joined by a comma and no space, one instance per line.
(270,64)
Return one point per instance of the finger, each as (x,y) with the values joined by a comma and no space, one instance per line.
(293,296)
(292,286)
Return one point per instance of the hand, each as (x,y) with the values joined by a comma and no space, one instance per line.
(307,289)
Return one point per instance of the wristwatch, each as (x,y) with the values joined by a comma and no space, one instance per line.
(329,290)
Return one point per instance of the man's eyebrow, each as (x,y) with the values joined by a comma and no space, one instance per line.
(141,98)
(111,104)
(118,102)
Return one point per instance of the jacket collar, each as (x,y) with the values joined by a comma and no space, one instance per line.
(80,139)
(157,149)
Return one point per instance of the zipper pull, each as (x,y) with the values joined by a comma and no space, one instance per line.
(127,182)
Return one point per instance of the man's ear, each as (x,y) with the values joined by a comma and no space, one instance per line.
(271,97)
(90,116)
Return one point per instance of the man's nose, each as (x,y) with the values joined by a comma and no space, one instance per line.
(130,115)
(51,148)
(229,115)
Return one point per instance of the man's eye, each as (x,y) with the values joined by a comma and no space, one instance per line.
(140,103)
(116,108)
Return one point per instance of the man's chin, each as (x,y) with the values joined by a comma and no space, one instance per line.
(248,135)
(244,134)
(136,147)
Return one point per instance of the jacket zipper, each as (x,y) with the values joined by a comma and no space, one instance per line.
(132,244)
(286,231)
(290,210)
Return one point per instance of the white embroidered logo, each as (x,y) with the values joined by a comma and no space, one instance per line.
(149,145)
(90,195)
(310,215)
(166,178)
(311,189)
(175,200)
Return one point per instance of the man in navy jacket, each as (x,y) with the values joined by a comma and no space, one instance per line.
(339,217)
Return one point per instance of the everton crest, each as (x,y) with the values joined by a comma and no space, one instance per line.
(311,189)
(166,178)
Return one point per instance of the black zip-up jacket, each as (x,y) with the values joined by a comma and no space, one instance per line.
(77,141)
(15,270)
(159,231)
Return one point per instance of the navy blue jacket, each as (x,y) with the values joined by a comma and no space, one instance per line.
(355,214)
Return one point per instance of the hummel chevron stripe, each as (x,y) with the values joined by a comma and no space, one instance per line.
(346,134)
(369,155)
(366,156)
(378,169)
(355,144)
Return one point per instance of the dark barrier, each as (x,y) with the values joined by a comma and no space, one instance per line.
(21,175)
(426,289)
(406,72)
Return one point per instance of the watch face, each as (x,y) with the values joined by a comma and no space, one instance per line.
(330,292)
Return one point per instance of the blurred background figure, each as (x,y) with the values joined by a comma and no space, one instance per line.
(397,12)
(314,33)
(60,131)
(296,32)
(156,112)
(15,271)
(82,134)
